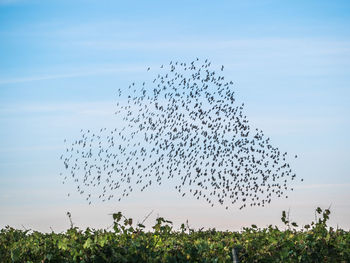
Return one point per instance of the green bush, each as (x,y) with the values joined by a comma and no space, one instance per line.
(128,243)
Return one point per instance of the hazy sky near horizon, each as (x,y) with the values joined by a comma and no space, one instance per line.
(61,63)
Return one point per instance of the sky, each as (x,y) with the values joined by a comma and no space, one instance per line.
(61,63)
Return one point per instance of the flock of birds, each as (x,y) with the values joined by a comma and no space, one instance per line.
(184,124)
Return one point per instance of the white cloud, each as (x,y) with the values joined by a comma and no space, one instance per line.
(319,186)
(285,125)
(74,74)
(78,107)
(318,56)
(275,45)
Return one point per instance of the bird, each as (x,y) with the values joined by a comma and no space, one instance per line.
(185,125)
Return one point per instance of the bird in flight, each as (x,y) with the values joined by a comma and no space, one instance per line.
(185,125)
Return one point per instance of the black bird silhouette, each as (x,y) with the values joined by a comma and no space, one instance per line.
(185,125)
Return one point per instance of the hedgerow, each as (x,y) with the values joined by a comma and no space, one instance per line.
(127,242)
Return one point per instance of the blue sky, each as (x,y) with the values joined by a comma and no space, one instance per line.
(61,63)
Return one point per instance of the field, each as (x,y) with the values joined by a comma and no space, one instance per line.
(128,243)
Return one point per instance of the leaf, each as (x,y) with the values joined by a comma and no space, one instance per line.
(88,243)
(294,224)
(62,244)
(117,216)
(319,210)
(49,256)
(15,254)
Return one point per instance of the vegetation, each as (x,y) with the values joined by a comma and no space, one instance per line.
(128,243)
